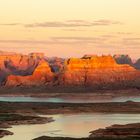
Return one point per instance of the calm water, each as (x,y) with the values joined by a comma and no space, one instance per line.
(78,125)
(61,100)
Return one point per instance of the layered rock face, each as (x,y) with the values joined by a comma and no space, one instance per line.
(18,64)
(88,71)
(118,131)
(96,71)
(42,75)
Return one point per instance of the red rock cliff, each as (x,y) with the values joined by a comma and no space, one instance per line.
(96,71)
(41,75)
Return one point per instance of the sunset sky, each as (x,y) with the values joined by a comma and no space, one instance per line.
(70,27)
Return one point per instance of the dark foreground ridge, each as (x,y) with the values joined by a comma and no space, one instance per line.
(57,108)
(5,133)
(118,131)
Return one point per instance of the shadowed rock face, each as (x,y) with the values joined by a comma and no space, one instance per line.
(137,64)
(126,59)
(95,71)
(123,59)
(56,64)
(41,75)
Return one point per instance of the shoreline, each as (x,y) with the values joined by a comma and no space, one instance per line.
(66,108)
(45,90)
(8,120)
(101,94)
(19,111)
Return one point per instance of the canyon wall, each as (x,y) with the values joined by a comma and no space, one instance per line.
(97,71)
(102,72)
(42,75)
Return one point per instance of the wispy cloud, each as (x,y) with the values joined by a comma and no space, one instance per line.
(25,41)
(74,23)
(132,41)
(59,40)
(78,40)
(10,24)
(65,24)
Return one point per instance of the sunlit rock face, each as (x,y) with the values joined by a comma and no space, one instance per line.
(96,71)
(88,71)
(42,75)
(18,64)
(21,65)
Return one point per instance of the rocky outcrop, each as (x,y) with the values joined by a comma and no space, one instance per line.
(118,131)
(18,64)
(42,75)
(96,71)
(56,63)
(5,133)
(89,71)
(123,59)
(7,120)
(126,59)
(137,64)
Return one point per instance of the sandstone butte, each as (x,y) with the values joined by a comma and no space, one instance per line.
(97,70)
(16,63)
(41,75)
(86,71)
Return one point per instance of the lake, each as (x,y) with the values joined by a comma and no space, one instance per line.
(63,100)
(74,125)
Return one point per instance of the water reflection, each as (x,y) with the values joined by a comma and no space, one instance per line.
(77,125)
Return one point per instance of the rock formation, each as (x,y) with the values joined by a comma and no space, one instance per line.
(137,64)
(56,63)
(118,131)
(89,71)
(41,76)
(18,64)
(123,59)
(5,133)
(96,71)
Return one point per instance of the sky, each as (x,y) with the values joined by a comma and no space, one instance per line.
(70,28)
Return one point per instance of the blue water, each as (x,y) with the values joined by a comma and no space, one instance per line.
(61,100)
